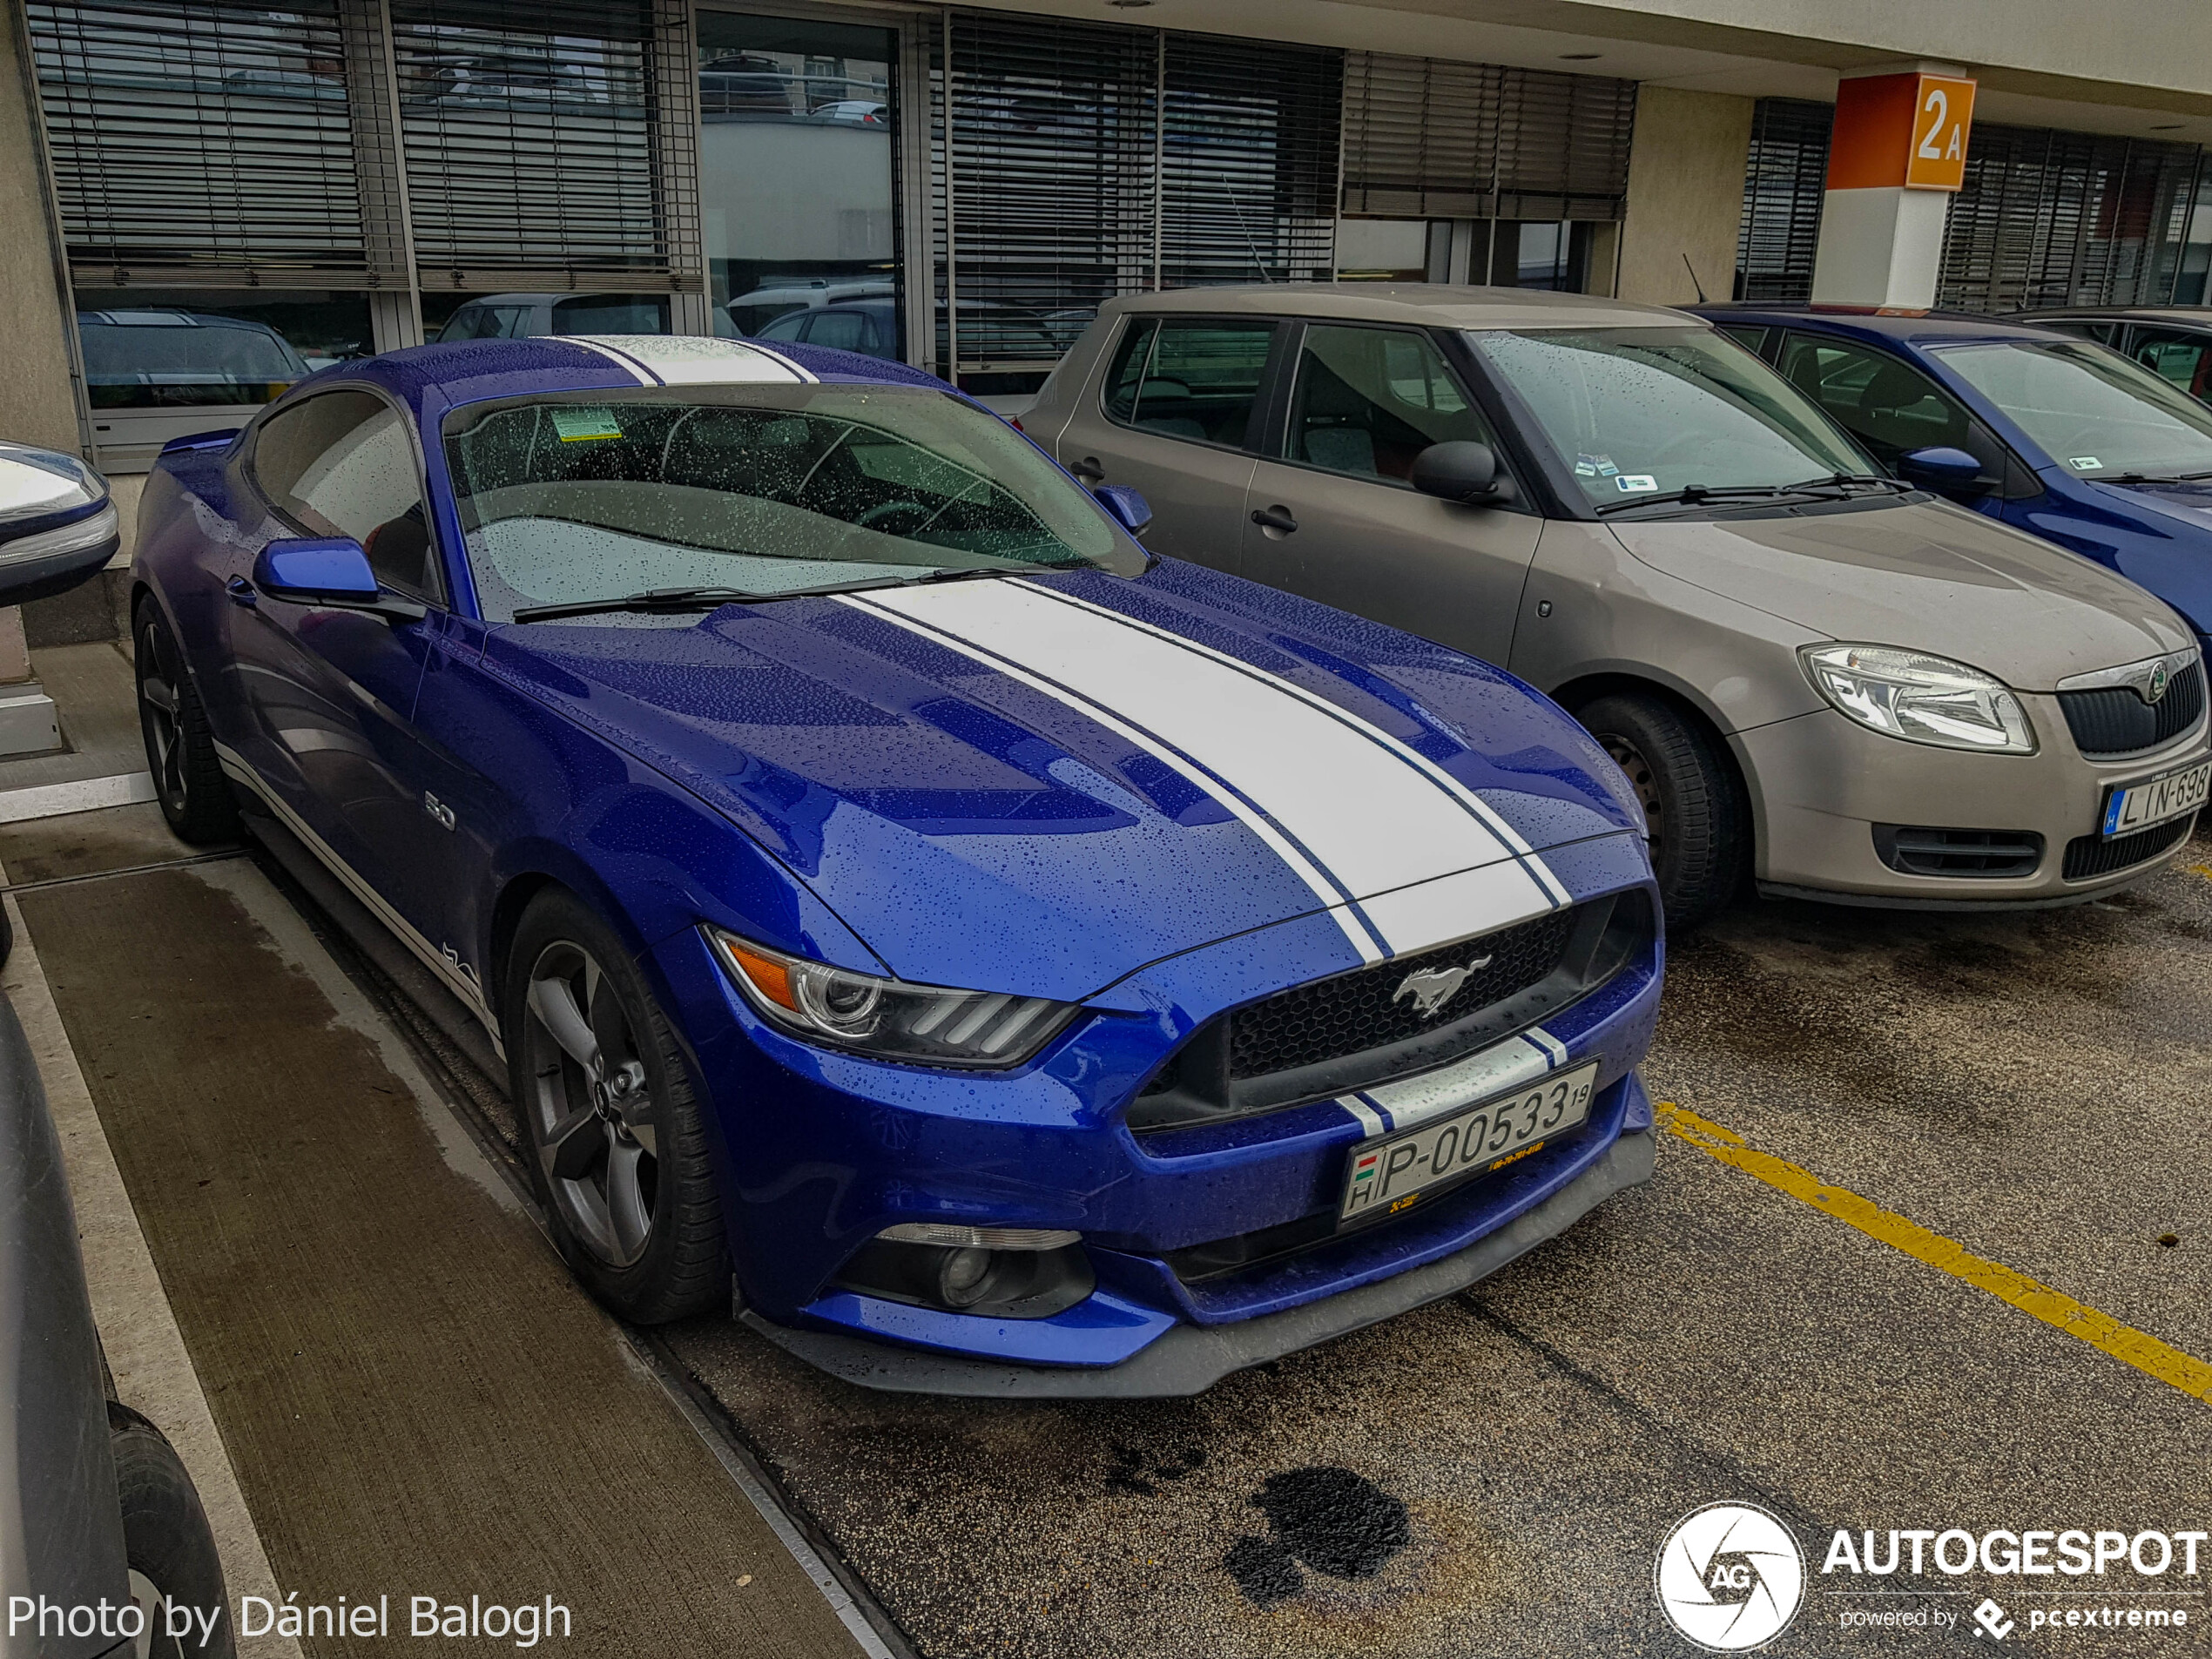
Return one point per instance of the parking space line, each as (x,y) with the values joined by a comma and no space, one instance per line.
(2204,870)
(2100,1331)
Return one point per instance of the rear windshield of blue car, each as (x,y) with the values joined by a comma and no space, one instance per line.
(579,498)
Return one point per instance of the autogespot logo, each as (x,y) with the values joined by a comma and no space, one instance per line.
(1731,1577)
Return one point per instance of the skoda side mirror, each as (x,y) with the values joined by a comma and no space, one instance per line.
(1460,471)
(57,526)
(329,571)
(1127,508)
(1942,468)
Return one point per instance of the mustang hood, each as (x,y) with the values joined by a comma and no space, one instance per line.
(1931,578)
(1042,785)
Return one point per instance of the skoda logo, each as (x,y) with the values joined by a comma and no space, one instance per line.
(1729,1577)
(2155,687)
(1433,988)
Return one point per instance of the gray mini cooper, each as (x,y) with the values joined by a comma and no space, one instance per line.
(1822,680)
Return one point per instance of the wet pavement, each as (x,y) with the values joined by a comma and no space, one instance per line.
(1490,1475)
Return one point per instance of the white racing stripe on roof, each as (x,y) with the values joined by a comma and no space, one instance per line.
(1473,803)
(1372,822)
(1347,917)
(686,359)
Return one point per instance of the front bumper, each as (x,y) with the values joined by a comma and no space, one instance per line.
(819,1151)
(1821,783)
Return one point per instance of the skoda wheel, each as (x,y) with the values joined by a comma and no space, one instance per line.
(169,1545)
(614,1140)
(1696,819)
(188,780)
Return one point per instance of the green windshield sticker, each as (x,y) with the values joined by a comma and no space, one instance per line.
(581,426)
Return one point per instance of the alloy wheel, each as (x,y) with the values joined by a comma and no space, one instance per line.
(161,714)
(595,1126)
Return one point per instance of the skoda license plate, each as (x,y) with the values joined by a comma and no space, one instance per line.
(2129,808)
(1388,1175)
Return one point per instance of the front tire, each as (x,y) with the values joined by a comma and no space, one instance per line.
(166,1535)
(188,779)
(1695,819)
(611,1124)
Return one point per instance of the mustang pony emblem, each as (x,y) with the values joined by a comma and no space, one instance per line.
(1433,988)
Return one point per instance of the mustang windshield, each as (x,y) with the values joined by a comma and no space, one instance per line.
(760,491)
(1649,411)
(2094,411)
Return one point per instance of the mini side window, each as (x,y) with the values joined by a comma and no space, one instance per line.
(1194,378)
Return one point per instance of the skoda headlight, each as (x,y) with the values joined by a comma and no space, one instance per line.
(886,1017)
(1921,698)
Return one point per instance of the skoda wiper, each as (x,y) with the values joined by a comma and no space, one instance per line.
(1834,487)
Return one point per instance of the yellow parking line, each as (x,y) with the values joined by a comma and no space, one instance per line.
(2204,870)
(2123,1342)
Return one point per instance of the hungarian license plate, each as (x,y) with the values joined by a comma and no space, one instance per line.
(1388,1175)
(2129,808)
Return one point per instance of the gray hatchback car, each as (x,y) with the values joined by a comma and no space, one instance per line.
(1824,680)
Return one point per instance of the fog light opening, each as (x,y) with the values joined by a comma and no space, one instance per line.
(964,1277)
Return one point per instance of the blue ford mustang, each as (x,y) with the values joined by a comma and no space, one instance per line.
(1030,967)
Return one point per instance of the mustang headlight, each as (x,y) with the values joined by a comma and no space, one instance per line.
(887,1017)
(1921,698)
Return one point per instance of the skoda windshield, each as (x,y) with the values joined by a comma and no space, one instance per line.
(1640,417)
(660,498)
(2093,412)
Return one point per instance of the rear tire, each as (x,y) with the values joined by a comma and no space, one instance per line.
(1695,819)
(166,1534)
(188,779)
(611,1126)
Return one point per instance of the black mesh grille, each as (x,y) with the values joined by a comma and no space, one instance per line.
(2088,855)
(2113,720)
(1362,1010)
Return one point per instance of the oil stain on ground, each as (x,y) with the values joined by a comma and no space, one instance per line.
(1327,1519)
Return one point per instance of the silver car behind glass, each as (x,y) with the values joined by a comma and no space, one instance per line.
(1832,682)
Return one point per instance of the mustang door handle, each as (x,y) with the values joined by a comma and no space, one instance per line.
(1088,470)
(1274,518)
(240,590)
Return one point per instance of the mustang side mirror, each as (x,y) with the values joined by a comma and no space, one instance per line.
(57,526)
(1460,471)
(1129,509)
(332,572)
(1943,469)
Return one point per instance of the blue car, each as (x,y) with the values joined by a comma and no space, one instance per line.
(2063,437)
(1027,965)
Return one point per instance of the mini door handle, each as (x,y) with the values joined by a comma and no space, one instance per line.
(1088,470)
(241,591)
(1274,518)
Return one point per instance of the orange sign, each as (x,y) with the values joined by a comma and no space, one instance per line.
(1908,130)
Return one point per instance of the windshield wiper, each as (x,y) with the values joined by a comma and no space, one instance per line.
(672,601)
(1835,486)
(2159,477)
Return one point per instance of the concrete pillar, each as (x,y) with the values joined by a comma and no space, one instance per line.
(37,395)
(1685,195)
(1897,155)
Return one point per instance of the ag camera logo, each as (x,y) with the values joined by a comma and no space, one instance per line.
(1729,1577)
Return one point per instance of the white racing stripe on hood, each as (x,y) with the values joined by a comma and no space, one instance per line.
(1363,939)
(1354,806)
(1467,799)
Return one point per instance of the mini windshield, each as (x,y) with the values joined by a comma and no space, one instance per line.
(764,490)
(1638,411)
(2091,410)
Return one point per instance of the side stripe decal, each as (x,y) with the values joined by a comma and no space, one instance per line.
(1473,803)
(1332,894)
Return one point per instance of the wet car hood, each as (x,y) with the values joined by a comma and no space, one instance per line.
(1073,776)
(1931,577)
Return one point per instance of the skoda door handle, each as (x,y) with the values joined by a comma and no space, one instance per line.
(1277,519)
(241,591)
(1088,470)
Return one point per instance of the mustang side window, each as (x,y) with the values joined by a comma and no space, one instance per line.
(1195,378)
(1368,401)
(343,464)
